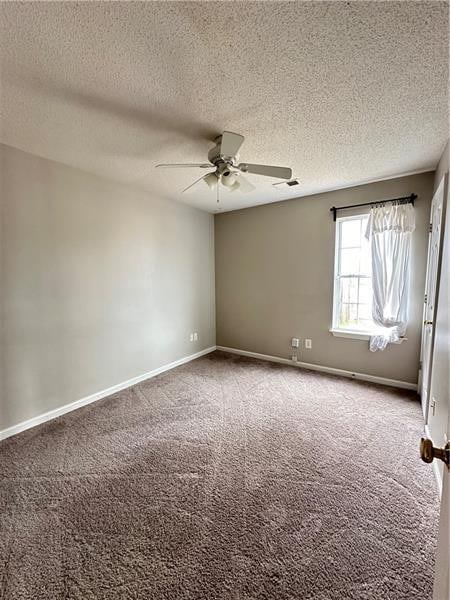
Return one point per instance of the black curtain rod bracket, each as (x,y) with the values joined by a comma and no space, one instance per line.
(403,200)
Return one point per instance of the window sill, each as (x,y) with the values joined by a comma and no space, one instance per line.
(358,335)
(355,335)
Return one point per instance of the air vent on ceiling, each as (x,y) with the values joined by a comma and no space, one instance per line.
(282,185)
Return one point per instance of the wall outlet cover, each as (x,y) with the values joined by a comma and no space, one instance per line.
(308,344)
(295,342)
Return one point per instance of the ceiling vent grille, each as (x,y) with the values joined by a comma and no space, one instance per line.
(283,185)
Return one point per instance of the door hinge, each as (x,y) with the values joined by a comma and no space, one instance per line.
(425,298)
(433,406)
(431,227)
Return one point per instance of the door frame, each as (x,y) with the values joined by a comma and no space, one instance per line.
(426,404)
(441,587)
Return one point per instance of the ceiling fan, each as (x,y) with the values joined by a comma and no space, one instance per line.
(227,170)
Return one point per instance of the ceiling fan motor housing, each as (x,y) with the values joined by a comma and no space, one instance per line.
(216,158)
(224,170)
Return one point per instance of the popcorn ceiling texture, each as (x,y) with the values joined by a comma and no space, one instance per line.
(224,479)
(343,92)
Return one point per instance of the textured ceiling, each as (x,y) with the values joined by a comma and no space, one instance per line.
(342,92)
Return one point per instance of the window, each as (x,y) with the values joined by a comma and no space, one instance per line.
(352,306)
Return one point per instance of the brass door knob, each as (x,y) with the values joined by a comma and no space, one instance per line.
(428,452)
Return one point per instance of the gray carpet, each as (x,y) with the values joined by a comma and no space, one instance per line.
(226,478)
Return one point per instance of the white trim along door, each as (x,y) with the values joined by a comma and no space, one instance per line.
(430,298)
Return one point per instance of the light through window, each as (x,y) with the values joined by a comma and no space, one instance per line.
(352,309)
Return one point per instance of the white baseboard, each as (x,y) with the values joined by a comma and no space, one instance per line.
(285,361)
(62,410)
(57,412)
(435,464)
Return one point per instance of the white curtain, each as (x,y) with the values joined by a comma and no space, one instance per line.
(389,233)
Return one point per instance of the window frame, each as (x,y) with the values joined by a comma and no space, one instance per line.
(337,331)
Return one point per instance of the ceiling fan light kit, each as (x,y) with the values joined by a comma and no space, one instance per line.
(224,159)
(211,180)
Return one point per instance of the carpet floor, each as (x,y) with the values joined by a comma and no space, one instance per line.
(226,478)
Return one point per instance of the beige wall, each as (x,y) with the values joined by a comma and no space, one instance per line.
(100,283)
(274,279)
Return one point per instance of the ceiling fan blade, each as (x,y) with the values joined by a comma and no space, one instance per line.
(230,144)
(192,184)
(181,166)
(267,170)
(244,185)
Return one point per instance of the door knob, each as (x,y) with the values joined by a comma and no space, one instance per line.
(428,452)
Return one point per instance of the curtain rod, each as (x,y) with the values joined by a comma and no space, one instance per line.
(406,199)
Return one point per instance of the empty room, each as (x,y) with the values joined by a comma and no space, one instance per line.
(224,299)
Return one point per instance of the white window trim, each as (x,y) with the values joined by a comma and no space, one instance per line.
(348,333)
(359,334)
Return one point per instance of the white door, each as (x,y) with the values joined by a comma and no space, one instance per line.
(439,419)
(433,268)
(438,427)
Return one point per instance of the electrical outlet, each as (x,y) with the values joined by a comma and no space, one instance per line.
(191,337)
(294,358)
(195,336)
(295,343)
(308,344)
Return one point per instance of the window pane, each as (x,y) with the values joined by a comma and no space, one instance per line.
(350,261)
(365,259)
(365,291)
(343,315)
(353,314)
(354,290)
(349,289)
(366,324)
(349,315)
(350,233)
(364,312)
